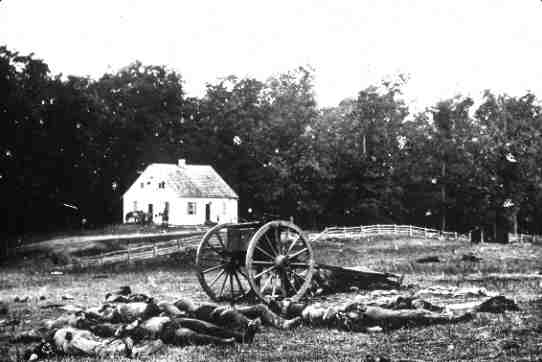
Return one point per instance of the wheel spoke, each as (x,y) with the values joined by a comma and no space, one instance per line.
(293,244)
(223,285)
(265,252)
(299,265)
(294,255)
(220,240)
(270,243)
(264,272)
(243,274)
(266,283)
(261,262)
(218,251)
(277,239)
(217,277)
(231,287)
(239,283)
(213,268)
(205,258)
(297,279)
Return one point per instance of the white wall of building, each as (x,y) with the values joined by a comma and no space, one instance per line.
(221,210)
(138,198)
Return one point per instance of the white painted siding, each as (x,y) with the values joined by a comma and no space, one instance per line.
(150,194)
(221,210)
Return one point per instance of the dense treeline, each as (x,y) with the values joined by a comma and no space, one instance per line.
(72,145)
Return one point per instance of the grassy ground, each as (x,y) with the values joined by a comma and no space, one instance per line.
(109,230)
(73,245)
(513,270)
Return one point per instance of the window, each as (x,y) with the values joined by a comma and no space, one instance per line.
(191,208)
(162,185)
(142,184)
(224,208)
(135,205)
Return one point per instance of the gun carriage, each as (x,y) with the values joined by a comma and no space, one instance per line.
(270,261)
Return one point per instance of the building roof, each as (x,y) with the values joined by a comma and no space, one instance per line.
(189,180)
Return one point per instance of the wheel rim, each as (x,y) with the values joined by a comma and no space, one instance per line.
(220,270)
(280,262)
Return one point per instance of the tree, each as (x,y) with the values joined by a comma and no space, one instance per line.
(510,130)
(361,138)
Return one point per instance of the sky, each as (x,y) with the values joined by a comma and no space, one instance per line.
(445,47)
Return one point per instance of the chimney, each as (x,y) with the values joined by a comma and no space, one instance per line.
(181,163)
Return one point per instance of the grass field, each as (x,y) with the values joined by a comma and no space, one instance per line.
(514,270)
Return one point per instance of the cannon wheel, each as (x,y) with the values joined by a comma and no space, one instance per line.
(279,261)
(221,272)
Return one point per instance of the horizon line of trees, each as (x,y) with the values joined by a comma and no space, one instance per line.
(72,145)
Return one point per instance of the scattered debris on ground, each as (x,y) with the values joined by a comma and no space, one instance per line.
(471,258)
(428,259)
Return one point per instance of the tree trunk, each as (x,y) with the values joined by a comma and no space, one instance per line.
(515,213)
(443,197)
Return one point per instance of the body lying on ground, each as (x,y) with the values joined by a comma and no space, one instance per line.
(125,319)
(404,311)
(139,326)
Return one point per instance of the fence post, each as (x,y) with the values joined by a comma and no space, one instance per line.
(455,235)
(128,255)
(178,243)
(154,248)
(410,230)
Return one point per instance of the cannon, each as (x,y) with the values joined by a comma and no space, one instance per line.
(269,261)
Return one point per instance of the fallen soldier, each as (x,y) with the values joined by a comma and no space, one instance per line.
(237,318)
(404,311)
(124,319)
(77,342)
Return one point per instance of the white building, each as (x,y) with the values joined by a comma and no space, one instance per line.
(181,195)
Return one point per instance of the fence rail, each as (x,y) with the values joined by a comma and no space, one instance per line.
(381,230)
(411,231)
(151,250)
(525,238)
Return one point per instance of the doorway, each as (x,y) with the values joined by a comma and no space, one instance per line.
(207,212)
(150,213)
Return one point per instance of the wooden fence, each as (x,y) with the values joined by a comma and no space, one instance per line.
(525,238)
(151,250)
(364,231)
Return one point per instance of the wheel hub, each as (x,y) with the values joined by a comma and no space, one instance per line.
(281,261)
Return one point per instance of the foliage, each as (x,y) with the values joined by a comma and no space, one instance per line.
(71,146)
